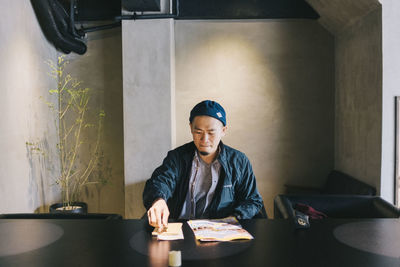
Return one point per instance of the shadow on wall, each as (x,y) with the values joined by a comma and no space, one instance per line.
(92,194)
(298,147)
(134,208)
(42,176)
(306,97)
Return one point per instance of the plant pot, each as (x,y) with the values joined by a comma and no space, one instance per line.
(75,207)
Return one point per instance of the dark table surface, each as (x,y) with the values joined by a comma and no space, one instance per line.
(338,243)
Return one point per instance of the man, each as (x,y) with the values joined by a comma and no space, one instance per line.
(203,178)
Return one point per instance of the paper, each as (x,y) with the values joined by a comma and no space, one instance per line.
(172,232)
(225,229)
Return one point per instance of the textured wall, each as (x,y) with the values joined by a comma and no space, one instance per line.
(358,51)
(148,96)
(26,179)
(101,70)
(276,81)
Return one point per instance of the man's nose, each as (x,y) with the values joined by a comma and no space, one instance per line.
(204,137)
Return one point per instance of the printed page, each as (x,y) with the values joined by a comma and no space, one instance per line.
(225,229)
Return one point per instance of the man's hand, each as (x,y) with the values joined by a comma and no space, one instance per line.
(158,214)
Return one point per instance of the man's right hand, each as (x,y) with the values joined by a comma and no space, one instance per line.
(158,214)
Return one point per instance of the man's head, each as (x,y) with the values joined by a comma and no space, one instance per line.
(208,126)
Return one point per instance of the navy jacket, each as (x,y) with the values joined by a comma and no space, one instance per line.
(236,193)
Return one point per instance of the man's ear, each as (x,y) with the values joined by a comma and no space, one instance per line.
(191,129)
(224,129)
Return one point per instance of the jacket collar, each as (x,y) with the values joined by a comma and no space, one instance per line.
(222,157)
(222,152)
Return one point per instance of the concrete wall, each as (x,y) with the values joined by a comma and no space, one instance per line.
(367,43)
(358,59)
(100,69)
(26,179)
(148,82)
(276,81)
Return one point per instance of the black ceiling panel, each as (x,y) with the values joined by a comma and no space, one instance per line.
(244,9)
(141,5)
(92,10)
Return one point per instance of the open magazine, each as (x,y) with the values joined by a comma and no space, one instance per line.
(225,229)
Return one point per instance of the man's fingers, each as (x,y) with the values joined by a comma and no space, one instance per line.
(158,218)
(155,217)
(152,218)
(165,216)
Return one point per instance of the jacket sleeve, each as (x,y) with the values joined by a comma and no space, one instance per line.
(249,200)
(163,181)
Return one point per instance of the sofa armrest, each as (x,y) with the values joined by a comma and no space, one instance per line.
(384,209)
(283,208)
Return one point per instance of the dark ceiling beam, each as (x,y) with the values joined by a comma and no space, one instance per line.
(244,9)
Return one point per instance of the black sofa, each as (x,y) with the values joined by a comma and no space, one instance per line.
(337,183)
(336,206)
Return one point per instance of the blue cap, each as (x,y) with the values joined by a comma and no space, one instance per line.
(208,108)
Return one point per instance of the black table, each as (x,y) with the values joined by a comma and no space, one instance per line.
(30,242)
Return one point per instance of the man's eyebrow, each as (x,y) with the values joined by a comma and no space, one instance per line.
(208,130)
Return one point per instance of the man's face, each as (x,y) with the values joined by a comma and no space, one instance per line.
(207,133)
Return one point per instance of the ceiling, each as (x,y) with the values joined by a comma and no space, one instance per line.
(338,14)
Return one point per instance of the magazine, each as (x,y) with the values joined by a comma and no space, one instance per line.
(225,229)
(172,232)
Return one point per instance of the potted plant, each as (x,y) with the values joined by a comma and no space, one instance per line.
(79,136)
